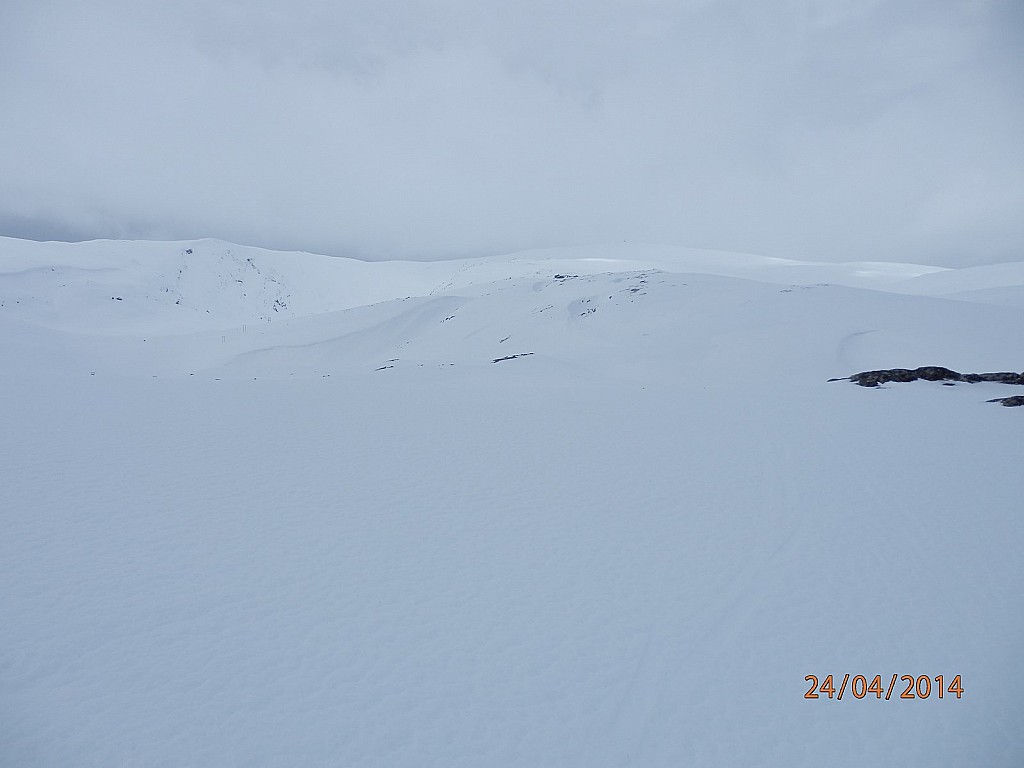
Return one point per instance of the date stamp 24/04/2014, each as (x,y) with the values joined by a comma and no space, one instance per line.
(920,687)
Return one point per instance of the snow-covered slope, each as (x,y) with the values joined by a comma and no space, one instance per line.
(593,506)
(991,284)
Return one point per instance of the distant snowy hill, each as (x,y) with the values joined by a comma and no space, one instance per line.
(588,506)
(141,308)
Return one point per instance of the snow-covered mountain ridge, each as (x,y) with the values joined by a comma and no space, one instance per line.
(241,282)
(160,308)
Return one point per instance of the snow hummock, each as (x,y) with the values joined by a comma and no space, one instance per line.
(280,509)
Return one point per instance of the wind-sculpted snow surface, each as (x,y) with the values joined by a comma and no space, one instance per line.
(594,507)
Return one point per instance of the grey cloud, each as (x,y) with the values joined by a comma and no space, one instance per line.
(831,130)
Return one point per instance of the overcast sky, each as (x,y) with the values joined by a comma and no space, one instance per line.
(822,129)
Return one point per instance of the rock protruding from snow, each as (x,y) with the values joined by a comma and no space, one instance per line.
(938,373)
(1008,401)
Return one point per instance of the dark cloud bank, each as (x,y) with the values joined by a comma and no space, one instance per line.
(825,129)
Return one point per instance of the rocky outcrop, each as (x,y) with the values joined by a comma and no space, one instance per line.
(1008,401)
(511,357)
(930,373)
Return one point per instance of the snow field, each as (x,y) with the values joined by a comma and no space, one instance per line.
(627,548)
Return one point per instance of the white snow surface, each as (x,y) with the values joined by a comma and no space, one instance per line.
(279,509)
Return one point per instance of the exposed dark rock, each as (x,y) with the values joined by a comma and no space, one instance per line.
(1004,377)
(948,378)
(930,373)
(511,357)
(1008,401)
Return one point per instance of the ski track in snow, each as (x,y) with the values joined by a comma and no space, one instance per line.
(344,536)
